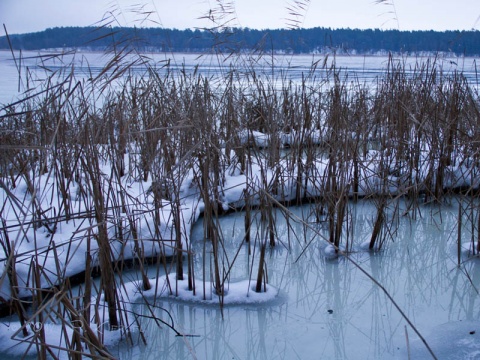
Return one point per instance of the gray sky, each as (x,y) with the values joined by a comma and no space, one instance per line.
(20,16)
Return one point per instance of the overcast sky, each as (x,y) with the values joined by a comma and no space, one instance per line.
(20,16)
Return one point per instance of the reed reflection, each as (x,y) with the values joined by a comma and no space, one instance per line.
(326,306)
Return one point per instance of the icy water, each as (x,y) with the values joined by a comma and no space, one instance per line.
(327,308)
(279,68)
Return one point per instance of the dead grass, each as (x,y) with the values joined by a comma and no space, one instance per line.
(402,139)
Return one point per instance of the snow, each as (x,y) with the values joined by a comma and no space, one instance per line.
(67,245)
(12,341)
(236,293)
(63,249)
(454,340)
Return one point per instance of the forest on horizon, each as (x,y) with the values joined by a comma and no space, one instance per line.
(294,41)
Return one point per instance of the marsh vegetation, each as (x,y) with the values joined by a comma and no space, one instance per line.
(103,173)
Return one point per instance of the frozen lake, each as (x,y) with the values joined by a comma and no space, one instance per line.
(327,308)
(277,68)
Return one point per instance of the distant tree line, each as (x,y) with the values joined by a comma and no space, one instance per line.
(245,39)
